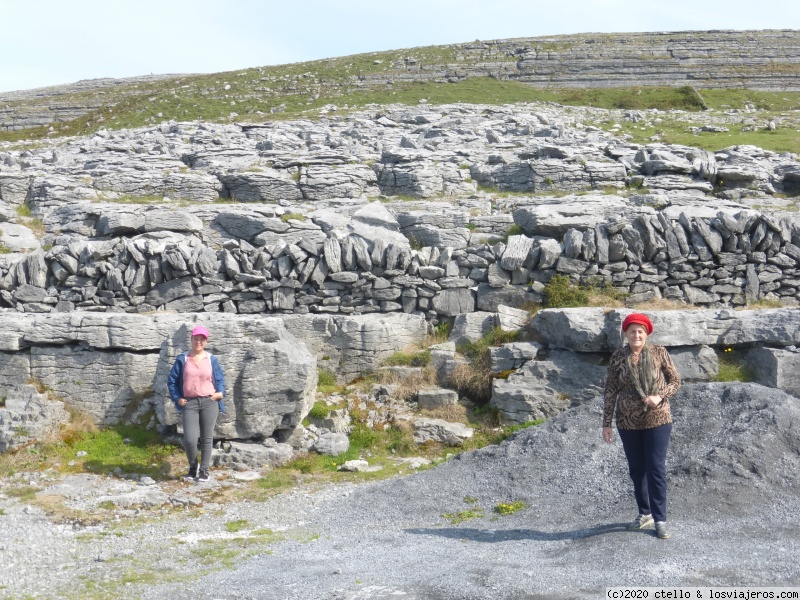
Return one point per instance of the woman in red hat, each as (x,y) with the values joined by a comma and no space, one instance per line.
(640,381)
(197,386)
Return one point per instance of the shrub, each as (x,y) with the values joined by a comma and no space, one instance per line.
(320,410)
(561,293)
(475,380)
(326,382)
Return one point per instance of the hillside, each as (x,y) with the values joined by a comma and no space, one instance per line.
(604,70)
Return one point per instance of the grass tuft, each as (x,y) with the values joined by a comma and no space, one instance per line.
(509,508)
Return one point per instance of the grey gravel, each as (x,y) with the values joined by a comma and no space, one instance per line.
(733,473)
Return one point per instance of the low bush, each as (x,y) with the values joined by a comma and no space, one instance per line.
(561,293)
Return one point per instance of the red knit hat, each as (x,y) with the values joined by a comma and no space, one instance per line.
(640,319)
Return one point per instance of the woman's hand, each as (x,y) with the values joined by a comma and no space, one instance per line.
(217,396)
(182,401)
(652,401)
(608,434)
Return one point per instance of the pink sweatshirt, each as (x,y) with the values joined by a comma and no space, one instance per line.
(197,377)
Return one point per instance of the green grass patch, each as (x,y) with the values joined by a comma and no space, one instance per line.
(320,410)
(494,337)
(3,248)
(420,358)
(23,493)
(733,367)
(509,508)
(131,448)
(293,216)
(326,382)
(463,515)
(276,479)
(237,525)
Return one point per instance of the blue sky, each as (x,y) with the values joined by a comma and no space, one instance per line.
(48,42)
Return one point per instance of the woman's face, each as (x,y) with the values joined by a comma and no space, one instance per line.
(636,335)
(199,342)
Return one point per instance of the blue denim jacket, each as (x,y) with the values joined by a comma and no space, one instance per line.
(175,380)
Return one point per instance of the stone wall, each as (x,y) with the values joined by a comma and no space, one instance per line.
(727,260)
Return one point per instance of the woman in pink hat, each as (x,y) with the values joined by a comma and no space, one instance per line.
(640,381)
(197,386)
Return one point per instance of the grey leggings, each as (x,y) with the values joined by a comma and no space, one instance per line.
(199,419)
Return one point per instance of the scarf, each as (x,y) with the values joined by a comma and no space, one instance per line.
(644,375)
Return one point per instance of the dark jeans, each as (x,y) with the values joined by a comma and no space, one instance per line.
(646,451)
(199,419)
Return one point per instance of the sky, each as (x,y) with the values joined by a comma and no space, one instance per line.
(50,42)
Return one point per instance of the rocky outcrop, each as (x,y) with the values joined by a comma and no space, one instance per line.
(567,369)
(600,330)
(325,248)
(765,60)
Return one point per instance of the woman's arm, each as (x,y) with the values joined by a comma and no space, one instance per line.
(175,380)
(218,377)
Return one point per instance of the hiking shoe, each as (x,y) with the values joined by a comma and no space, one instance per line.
(192,474)
(661,530)
(641,522)
(203,475)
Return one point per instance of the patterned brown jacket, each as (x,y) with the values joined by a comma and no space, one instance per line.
(620,394)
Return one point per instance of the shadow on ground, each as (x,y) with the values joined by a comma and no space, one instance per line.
(492,536)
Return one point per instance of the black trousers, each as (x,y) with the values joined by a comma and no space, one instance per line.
(646,451)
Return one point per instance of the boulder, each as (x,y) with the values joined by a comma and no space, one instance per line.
(436,398)
(470,327)
(332,444)
(600,330)
(512,356)
(452,302)
(256,456)
(696,363)
(357,343)
(776,367)
(441,431)
(27,416)
(18,238)
(520,401)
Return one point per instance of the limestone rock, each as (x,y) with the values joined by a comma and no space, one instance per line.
(438,430)
(697,363)
(512,356)
(521,401)
(252,455)
(470,327)
(776,367)
(27,416)
(332,444)
(436,398)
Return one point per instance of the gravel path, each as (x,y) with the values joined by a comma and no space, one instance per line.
(733,466)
